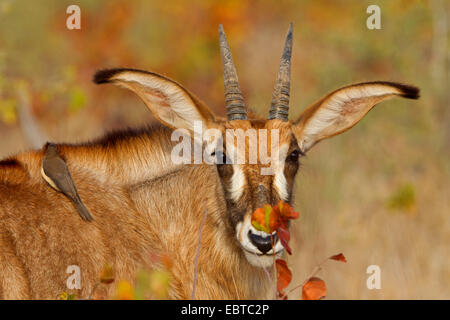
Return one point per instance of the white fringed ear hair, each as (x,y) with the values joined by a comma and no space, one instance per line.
(343,108)
(170,103)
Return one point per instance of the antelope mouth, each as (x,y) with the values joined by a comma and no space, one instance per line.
(265,243)
(263,254)
(259,247)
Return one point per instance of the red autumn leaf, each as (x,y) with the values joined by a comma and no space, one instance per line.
(285,211)
(284,275)
(270,219)
(314,289)
(338,257)
(284,236)
(265,219)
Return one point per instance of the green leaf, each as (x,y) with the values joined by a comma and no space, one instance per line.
(267,212)
(259,227)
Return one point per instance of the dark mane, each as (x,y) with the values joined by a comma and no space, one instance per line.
(10,162)
(112,138)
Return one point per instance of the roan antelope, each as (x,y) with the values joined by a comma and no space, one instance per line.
(144,204)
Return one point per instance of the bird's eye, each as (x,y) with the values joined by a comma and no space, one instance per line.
(293,156)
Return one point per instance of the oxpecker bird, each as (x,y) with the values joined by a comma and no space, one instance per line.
(54,170)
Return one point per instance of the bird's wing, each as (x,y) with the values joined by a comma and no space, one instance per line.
(62,178)
(48,179)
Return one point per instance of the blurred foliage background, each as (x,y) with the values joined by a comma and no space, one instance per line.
(378,193)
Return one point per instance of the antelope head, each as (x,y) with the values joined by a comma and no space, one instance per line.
(269,158)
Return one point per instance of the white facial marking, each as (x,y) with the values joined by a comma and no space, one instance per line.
(237,183)
(280,181)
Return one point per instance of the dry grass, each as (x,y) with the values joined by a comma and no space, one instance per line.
(343,195)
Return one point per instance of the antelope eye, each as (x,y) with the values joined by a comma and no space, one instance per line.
(293,156)
(220,156)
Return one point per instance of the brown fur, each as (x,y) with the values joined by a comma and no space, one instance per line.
(134,220)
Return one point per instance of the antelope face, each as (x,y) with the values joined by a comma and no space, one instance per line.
(258,167)
(253,181)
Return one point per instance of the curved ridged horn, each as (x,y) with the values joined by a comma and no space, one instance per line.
(279,107)
(234,100)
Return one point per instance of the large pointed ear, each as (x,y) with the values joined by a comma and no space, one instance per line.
(171,104)
(343,108)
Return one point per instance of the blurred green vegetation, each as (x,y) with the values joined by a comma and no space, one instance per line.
(398,154)
(403,199)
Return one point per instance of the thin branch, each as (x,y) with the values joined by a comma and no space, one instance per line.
(316,269)
(198,253)
(268,274)
(274,267)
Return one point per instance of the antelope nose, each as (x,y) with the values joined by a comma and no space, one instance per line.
(263,243)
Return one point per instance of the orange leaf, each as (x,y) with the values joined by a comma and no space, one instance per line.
(270,219)
(265,219)
(258,219)
(314,289)
(286,211)
(338,257)
(284,275)
(107,275)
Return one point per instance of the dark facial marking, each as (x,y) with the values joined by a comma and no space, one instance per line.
(291,165)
